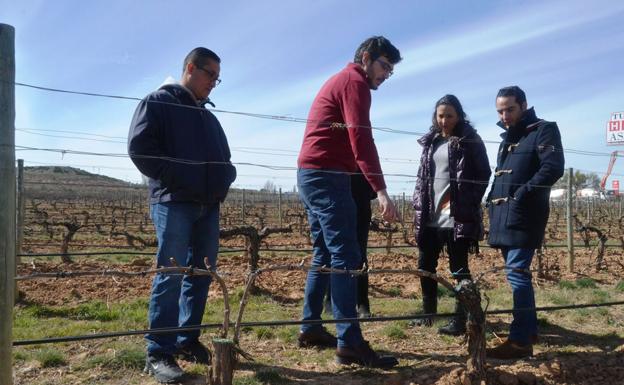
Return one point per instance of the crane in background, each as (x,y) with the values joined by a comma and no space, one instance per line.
(614,156)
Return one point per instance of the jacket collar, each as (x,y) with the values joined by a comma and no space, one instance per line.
(354,67)
(184,94)
(465,131)
(528,123)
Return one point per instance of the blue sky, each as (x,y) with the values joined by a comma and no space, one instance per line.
(566,55)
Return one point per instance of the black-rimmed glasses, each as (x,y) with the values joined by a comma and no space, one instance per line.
(386,67)
(212,75)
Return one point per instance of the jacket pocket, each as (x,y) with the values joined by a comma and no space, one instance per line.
(219,177)
(517,215)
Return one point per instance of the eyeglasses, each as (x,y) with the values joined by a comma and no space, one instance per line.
(212,74)
(386,67)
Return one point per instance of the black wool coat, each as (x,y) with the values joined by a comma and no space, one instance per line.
(530,160)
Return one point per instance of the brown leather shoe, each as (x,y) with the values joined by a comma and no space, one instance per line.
(319,338)
(510,350)
(365,356)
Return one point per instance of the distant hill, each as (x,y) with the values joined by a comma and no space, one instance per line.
(62,182)
(58,182)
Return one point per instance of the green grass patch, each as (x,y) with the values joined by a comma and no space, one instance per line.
(38,321)
(620,286)
(20,355)
(288,334)
(563,284)
(586,283)
(247,380)
(385,306)
(264,333)
(394,331)
(443,291)
(597,296)
(270,376)
(196,370)
(395,291)
(560,298)
(95,311)
(49,358)
(129,358)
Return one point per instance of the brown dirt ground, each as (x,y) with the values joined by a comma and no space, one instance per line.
(422,361)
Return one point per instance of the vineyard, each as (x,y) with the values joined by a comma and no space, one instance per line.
(76,221)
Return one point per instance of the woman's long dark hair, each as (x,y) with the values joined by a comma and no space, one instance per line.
(450,100)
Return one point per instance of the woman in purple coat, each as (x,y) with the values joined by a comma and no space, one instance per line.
(452,178)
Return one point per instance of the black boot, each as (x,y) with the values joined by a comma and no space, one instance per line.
(430,306)
(457,324)
(363,306)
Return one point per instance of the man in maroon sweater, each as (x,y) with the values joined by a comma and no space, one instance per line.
(337,141)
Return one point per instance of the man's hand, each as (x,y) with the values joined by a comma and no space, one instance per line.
(388,211)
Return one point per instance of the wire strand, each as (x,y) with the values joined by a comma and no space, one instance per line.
(294,119)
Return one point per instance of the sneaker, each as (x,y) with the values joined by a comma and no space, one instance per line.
(455,327)
(163,367)
(365,356)
(510,350)
(319,338)
(195,352)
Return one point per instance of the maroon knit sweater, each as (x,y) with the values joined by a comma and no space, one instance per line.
(346,99)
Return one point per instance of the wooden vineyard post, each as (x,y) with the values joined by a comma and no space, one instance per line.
(20,219)
(223,362)
(279,206)
(243,208)
(7,200)
(403,209)
(569,218)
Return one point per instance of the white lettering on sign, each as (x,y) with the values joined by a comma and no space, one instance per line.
(615,128)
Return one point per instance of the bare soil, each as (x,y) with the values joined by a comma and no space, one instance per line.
(424,360)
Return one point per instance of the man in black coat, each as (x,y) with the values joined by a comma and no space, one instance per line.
(530,160)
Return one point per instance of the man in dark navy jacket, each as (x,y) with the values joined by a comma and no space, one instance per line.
(180,146)
(530,160)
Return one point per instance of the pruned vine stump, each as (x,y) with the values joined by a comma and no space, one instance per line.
(223,362)
(470,298)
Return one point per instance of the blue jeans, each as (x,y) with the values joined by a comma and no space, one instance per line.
(332,217)
(188,232)
(524,322)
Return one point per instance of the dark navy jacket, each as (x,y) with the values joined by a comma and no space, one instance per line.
(469,171)
(530,160)
(169,123)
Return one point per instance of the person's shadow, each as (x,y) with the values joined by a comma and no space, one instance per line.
(556,335)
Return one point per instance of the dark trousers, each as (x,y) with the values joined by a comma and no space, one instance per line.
(434,240)
(364,214)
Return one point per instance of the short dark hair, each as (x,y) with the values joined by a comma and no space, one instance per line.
(514,91)
(450,100)
(199,57)
(377,46)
